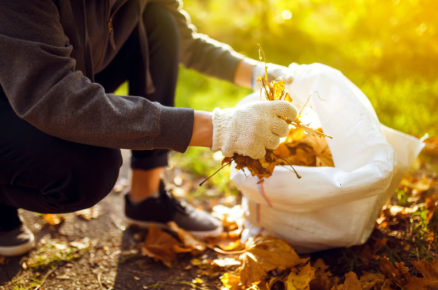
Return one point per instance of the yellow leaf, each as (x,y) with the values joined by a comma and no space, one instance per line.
(264,254)
(230,280)
(351,283)
(53,219)
(160,245)
(299,279)
(188,240)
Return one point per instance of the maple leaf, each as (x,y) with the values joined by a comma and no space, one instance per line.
(160,245)
(323,277)
(351,283)
(264,254)
(299,278)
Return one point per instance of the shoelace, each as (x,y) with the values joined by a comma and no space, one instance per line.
(174,202)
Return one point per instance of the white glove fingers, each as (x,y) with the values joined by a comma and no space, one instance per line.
(284,109)
(272,142)
(280,127)
(258,151)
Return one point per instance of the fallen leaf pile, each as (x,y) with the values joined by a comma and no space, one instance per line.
(400,254)
(303,146)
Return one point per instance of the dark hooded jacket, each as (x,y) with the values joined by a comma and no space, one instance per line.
(50,51)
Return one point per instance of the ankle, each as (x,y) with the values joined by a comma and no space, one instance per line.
(138,198)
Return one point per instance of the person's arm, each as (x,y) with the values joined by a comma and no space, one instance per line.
(202,129)
(243,76)
(206,55)
(39,78)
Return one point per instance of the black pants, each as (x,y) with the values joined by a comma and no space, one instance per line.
(45,174)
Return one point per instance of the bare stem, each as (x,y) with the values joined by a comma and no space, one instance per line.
(214,173)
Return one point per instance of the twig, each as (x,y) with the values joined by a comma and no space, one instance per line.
(45,277)
(308,129)
(99,275)
(214,173)
(293,168)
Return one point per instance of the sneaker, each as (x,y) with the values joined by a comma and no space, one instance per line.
(165,208)
(16,242)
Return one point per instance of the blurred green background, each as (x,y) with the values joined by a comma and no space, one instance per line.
(387,48)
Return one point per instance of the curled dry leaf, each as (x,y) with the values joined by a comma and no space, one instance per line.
(160,245)
(53,219)
(89,213)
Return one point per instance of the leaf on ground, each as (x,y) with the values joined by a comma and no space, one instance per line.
(398,273)
(264,254)
(429,271)
(160,245)
(89,213)
(189,242)
(351,283)
(53,219)
(299,278)
(370,281)
(324,279)
(230,280)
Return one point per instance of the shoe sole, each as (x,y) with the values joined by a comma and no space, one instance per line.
(19,250)
(198,234)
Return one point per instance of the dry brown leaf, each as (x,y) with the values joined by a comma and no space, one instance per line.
(299,278)
(323,277)
(160,245)
(351,282)
(370,281)
(431,147)
(398,273)
(53,219)
(429,271)
(264,254)
(89,213)
(188,240)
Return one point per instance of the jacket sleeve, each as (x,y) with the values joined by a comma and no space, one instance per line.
(40,80)
(200,52)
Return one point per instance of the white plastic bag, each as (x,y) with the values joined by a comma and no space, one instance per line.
(330,206)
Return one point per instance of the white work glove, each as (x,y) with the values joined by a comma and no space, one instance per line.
(251,129)
(275,73)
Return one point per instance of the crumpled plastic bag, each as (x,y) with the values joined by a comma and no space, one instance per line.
(330,206)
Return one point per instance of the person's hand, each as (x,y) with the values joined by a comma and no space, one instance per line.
(275,72)
(251,129)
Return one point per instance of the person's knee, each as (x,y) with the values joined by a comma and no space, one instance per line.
(86,182)
(99,177)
